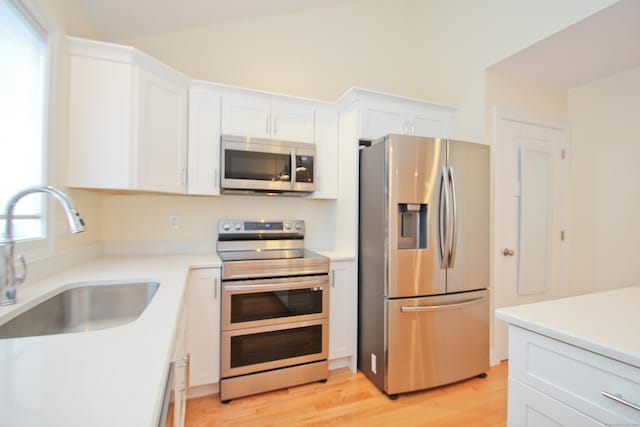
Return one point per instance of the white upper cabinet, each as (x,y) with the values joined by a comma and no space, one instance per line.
(127,120)
(262,117)
(204,140)
(382,114)
(292,122)
(326,137)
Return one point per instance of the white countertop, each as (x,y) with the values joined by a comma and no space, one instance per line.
(337,255)
(111,377)
(607,323)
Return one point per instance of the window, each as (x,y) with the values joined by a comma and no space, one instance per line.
(24,74)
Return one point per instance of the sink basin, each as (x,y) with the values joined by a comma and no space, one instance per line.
(83,308)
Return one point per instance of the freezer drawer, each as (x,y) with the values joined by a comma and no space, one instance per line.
(436,340)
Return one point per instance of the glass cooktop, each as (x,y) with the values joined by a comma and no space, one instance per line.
(268,254)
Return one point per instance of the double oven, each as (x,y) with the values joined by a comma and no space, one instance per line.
(275,307)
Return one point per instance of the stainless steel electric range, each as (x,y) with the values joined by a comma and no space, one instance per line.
(275,307)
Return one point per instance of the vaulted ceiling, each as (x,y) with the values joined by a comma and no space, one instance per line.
(122,19)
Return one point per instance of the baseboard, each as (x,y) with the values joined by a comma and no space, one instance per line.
(203,390)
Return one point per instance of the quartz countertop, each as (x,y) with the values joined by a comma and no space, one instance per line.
(607,322)
(110,377)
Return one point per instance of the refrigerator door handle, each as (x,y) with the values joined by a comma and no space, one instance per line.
(454,222)
(419,308)
(443,215)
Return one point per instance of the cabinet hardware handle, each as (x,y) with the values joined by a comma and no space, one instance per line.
(215,177)
(333,278)
(215,288)
(413,128)
(406,128)
(618,398)
(508,252)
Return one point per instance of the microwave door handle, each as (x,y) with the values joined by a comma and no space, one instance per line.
(293,168)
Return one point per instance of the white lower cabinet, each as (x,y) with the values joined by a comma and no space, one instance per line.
(203,327)
(530,408)
(342,312)
(566,385)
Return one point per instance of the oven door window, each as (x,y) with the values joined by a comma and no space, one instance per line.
(257,166)
(250,307)
(264,347)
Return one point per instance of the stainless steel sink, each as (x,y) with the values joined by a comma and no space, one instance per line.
(83,308)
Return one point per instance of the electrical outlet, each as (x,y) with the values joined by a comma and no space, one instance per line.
(374,369)
(173,222)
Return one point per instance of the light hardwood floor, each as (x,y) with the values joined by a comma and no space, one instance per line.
(348,399)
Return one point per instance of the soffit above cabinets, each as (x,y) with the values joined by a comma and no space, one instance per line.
(123,19)
(598,46)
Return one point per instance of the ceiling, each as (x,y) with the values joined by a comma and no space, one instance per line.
(123,19)
(598,46)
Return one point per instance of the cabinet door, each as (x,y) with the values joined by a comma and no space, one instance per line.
(162,135)
(326,138)
(100,122)
(203,329)
(342,310)
(380,120)
(528,407)
(292,122)
(204,143)
(245,116)
(429,123)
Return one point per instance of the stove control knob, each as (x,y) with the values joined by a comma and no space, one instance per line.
(238,226)
(226,226)
(298,226)
(287,226)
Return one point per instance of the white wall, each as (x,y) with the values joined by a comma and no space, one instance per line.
(146,217)
(605,176)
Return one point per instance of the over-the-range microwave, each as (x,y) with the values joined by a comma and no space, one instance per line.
(255,165)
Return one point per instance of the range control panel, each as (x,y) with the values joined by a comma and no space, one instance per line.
(249,227)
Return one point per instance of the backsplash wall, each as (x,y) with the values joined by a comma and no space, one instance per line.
(144,217)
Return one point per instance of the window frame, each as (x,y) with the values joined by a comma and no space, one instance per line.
(35,15)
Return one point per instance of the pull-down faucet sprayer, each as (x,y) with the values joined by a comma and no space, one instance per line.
(9,279)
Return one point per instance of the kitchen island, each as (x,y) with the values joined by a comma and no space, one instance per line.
(575,361)
(108,377)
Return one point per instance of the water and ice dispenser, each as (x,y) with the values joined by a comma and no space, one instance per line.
(412,225)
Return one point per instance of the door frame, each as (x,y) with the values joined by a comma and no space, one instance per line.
(500,114)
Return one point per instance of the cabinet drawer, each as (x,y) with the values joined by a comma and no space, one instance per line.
(575,376)
(530,408)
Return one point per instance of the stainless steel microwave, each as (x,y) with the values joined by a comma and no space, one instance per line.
(265,166)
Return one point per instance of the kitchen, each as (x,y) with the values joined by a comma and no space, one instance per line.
(256,57)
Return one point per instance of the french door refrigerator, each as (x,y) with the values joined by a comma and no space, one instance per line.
(423,262)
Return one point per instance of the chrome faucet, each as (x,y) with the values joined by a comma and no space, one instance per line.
(9,279)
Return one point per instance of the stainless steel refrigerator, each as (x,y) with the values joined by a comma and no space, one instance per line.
(423,262)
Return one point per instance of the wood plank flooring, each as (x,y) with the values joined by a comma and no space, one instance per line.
(348,399)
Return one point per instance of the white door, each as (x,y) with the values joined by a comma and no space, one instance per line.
(529,215)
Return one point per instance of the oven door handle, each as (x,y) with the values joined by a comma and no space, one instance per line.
(316,285)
